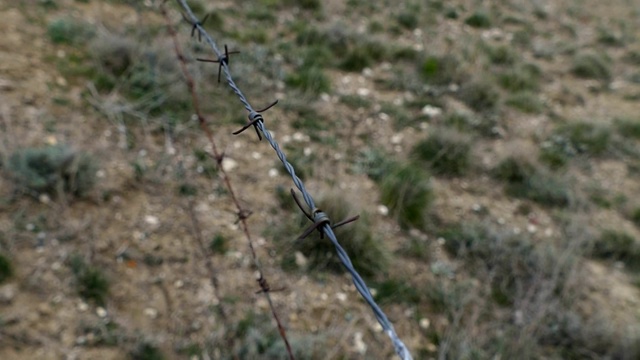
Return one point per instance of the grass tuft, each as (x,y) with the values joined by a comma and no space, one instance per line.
(444,152)
(406,190)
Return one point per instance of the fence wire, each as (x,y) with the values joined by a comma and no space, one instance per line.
(256,118)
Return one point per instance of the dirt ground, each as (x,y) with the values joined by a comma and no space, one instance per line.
(124,224)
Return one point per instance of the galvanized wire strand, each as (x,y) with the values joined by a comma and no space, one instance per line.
(359,283)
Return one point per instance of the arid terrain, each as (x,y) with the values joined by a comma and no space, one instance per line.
(491,148)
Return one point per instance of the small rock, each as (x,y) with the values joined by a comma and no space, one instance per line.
(151,312)
(383,210)
(396,138)
(273,172)
(301,260)
(7,294)
(101,312)
(152,220)
(425,323)
(431,111)
(82,307)
(358,345)
(341,296)
(229,164)
(364,92)
(532,229)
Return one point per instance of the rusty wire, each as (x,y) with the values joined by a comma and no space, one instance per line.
(243,213)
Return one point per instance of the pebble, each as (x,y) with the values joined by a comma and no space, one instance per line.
(82,307)
(532,229)
(396,139)
(341,296)
(358,345)
(273,172)
(431,111)
(151,220)
(229,164)
(301,260)
(101,312)
(364,92)
(383,210)
(151,312)
(425,323)
(7,294)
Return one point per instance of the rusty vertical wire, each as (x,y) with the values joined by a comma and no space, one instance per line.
(258,122)
(242,213)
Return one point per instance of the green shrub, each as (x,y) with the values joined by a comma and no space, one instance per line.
(500,55)
(525,101)
(628,127)
(146,351)
(635,216)
(68,31)
(524,180)
(480,95)
(591,66)
(521,78)
(408,20)
(397,290)
(586,138)
(406,190)
(92,284)
(441,70)
(53,169)
(310,79)
(362,55)
(446,153)
(6,270)
(618,246)
(374,163)
(479,19)
(219,244)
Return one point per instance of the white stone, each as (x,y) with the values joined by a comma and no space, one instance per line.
(229,164)
(273,172)
(358,345)
(383,210)
(151,220)
(396,138)
(341,296)
(425,323)
(431,111)
(101,312)
(301,260)
(364,92)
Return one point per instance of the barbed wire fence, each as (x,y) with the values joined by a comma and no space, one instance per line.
(321,221)
(242,213)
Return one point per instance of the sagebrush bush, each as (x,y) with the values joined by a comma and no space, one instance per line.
(479,19)
(6,269)
(592,66)
(444,152)
(441,70)
(53,169)
(69,31)
(618,246)
(525,180)
(406,190)
(91,282)
(480,95)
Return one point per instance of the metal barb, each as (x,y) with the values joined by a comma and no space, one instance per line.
(221,61)
(243,214)
(319,219)
(265,287)
(254,118)
(194,25)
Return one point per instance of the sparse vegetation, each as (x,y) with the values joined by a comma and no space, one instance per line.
(92,284)
(53,169)
(618,246)
(406,190)
(525,180)
(591,66)
(6,269)
(441,70)
(445,153)
(479,19)
(480,95)
(68,31)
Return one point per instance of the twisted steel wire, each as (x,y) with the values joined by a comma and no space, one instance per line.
(359,283)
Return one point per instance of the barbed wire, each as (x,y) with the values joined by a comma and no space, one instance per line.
(242,213)
(257,121)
